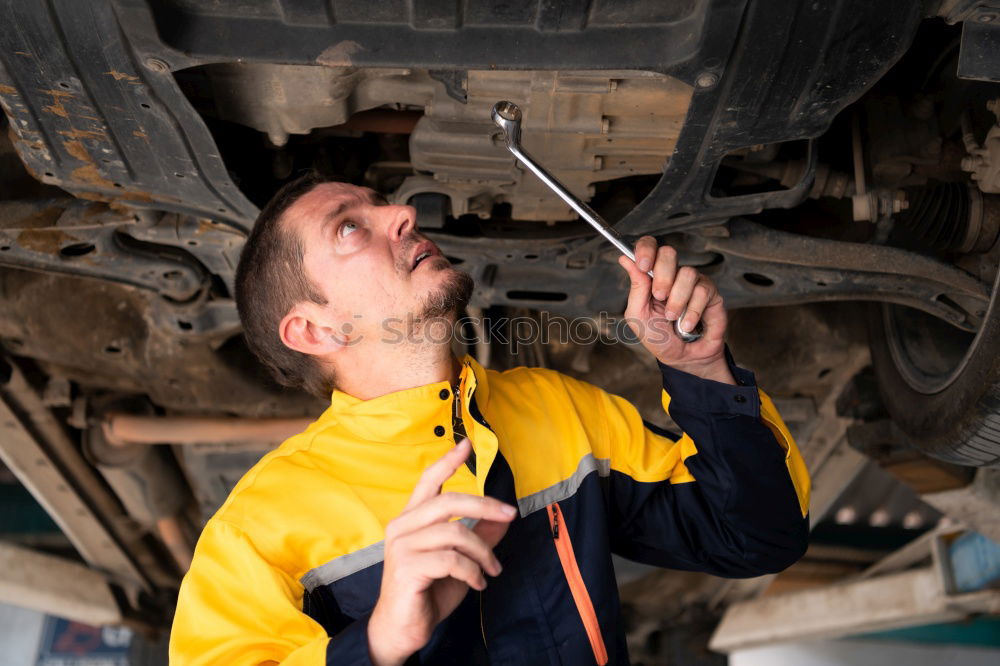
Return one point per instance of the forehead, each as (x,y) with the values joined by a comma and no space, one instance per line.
(313,207)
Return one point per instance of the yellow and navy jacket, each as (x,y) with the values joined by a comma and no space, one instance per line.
(288,570)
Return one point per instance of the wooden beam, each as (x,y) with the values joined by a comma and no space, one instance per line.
(889,602)
(55,586)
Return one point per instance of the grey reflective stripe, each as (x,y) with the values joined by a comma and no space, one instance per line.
(565,488)
(344,566)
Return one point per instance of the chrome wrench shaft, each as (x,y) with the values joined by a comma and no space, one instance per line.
(507,117)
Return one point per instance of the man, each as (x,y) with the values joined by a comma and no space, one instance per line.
(341,547)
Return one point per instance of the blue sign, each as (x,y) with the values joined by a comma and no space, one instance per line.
(66,643)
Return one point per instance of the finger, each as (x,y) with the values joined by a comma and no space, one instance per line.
(447,506)
(435,566)
(645,253)
(714,317)
(434,476)
(664,271)
(490,531)
(638,295)
(704,290)
(454,536)
(680,292)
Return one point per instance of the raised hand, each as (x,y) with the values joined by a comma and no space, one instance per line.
(674,292)
(431,561)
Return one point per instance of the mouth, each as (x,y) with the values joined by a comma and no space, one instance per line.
(424,251)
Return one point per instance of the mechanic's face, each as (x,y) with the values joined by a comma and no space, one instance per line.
(362,255)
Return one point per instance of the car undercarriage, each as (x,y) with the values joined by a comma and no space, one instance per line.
(834,167)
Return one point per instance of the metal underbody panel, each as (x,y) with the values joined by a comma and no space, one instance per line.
(155,130)
(590,126)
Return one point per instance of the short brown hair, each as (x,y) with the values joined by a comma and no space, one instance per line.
(270,279)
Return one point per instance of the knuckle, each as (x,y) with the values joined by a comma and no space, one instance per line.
(688,272)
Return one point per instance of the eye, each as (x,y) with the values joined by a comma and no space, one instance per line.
(347,228)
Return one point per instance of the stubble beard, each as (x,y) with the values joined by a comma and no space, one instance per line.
(450,298)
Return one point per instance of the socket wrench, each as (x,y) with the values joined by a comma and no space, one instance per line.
(507,117)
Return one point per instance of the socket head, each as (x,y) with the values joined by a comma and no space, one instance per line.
(507,116)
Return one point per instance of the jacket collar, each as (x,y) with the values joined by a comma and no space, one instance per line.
(409,416)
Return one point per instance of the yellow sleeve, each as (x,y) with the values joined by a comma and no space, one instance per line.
(235,608)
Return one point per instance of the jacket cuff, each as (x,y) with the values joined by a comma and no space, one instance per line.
(350,645)
(693,393)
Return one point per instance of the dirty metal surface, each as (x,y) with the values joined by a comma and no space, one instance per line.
(751,265)
(763,266)
(107,336)
(72,236)
(762,72)
(586,127)
(89,114)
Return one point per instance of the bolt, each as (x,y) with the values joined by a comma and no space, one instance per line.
(157,65)
(706,80)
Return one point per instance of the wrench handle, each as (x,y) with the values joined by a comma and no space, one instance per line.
(507,117)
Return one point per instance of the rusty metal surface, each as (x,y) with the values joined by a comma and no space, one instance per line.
(104,336)
(94,117)
(80,238)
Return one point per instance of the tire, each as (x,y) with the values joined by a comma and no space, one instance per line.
(939,384)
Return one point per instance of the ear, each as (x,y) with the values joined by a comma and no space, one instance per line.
(305,330)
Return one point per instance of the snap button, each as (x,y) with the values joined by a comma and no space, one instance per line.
(444,394)
(439,430)
(740,398)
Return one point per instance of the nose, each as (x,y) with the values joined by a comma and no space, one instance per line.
(403,221)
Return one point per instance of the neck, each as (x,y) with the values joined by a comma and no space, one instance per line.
(376,368)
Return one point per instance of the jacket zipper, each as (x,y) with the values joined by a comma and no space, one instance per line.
(458,427)
(564,548)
